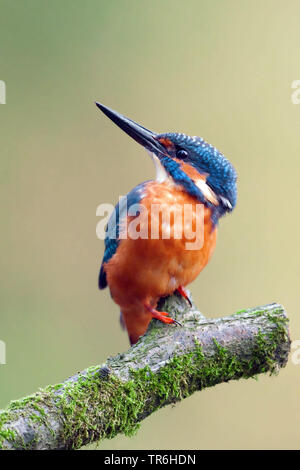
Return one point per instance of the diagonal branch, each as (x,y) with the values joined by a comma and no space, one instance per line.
(168,364)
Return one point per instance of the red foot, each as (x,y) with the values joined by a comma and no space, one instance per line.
(162,316)
(181,290)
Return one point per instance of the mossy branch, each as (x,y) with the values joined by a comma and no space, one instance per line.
(168,364)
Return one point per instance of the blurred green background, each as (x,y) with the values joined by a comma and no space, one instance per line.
(221,70)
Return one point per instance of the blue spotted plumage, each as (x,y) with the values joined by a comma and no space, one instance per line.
(139,271)
(207,159)
(112,239)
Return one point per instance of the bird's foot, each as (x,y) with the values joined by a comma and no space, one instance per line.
(162,316)
(181,290)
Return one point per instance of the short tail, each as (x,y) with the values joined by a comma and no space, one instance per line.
(136,323)
(122,322)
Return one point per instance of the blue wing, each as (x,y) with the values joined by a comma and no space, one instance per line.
(113,227)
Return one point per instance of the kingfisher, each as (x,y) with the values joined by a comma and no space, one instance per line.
(142,266)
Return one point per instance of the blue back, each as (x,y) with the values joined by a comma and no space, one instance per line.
(113,227)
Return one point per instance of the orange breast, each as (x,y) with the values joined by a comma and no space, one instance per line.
(174,246)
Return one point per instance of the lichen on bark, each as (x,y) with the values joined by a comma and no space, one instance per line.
(167,364)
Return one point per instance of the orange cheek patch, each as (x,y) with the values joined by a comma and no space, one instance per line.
(191,171)
(166,143)
(200,181)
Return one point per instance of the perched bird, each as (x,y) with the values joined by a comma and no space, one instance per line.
(139,270)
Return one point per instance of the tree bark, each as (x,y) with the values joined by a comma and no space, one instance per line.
(168,364)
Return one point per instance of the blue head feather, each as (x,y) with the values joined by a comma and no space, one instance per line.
(206,159)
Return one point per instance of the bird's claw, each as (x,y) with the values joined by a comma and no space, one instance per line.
(181,291)
(162,316)
(177,322)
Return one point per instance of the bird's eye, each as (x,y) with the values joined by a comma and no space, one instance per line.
(181,154)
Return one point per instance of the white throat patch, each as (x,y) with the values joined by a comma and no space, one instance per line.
(161,174)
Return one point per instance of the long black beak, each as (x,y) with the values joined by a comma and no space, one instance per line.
(139,133)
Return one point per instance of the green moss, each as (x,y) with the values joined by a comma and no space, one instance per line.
(5,434)
(98,405)
(30,407)
(35,417)
(121,406)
